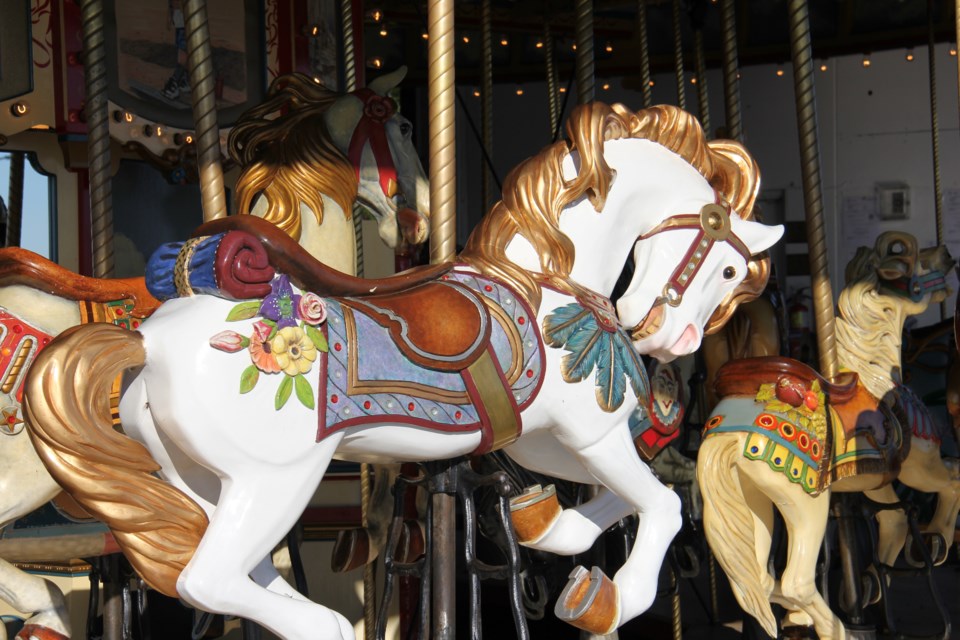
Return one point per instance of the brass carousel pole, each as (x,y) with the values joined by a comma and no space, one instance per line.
(202,86)
(443,200)
(584,60)
(646,90)
(935,134)
(98,138)
(731,73)
(678,56)
(15,198)
(486,106)
(553,95)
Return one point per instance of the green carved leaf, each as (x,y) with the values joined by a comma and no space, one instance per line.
(304,391)
(244,342)
(316,336)
(244,311)
(249,378)
(283,393)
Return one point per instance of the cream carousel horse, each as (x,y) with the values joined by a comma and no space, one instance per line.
(306,161)
(781,435)
(497,352)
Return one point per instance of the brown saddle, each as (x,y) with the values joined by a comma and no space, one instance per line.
(442,325)
(21,267)
(308,273)
(742,377)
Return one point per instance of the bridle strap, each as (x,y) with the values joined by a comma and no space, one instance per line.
(915,287)
(377,110)
(712,225)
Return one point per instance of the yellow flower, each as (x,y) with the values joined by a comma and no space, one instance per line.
(294,351)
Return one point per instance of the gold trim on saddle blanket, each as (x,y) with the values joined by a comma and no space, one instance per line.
(496,401)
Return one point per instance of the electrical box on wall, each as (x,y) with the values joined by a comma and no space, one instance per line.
(893,200)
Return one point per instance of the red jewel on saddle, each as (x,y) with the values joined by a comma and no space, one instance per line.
(791,391)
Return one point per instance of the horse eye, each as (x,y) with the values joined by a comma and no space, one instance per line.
(729,273)
(406,128)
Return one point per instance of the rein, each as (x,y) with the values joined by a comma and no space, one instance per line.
(712,225)
(377,110)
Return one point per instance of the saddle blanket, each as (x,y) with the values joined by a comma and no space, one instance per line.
(378,370)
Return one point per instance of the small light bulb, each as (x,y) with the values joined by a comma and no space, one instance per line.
(539,44)
(866,60)
(19,109)
(608,48)
(651,83)
(383,32)
(693,80)
(127,116)
(466,39)
(606,86)
(315,30)
(425,35)
(519,91)
(563,89)
(574,46)
(316,79)
(779,72)
(953,51)
(909,55)
(188,139)
(377,15)
(504,42)
(823,66)
(476,93)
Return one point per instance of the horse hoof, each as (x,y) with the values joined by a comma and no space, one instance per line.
(936,547)
(411,545)
(533,512)
(350,551)
(37,632)
(590,601)
(870,586)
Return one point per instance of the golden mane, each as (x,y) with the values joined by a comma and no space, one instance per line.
(289,158)
(535,193)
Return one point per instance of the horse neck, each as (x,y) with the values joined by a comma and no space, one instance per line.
(869,341)
(333,242)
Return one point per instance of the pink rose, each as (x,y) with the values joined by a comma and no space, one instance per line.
(312,308)
(229,341)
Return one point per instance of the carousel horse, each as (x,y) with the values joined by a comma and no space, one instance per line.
(782,435)
(305,161)
(517,347)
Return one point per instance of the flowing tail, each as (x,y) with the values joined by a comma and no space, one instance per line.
(67,410)
(728,523)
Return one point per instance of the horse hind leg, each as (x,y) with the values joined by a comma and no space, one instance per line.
(254,511)
(33,594)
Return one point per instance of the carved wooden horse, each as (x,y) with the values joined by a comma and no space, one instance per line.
(781,435)
(517,347)
(307,167)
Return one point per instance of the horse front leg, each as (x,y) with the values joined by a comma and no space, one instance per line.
(33,594)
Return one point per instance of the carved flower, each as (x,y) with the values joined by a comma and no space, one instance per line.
(229,341)
(312,308)
(261,351)
(281,305)
(294,351)
(379,108)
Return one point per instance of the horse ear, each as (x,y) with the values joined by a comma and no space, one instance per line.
(757,236)
(382,85)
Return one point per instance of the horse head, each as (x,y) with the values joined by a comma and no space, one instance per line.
(368,129)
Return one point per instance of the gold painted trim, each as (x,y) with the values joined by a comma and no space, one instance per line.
(496,401)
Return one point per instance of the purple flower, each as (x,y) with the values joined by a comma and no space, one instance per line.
(281,305)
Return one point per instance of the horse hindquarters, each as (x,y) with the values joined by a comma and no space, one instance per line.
(729,525)
(67,411)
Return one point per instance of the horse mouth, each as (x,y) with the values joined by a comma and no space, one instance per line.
(649,325)
(414,226)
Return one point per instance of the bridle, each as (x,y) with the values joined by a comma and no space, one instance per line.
(377,110)
(713,226)
(915,287)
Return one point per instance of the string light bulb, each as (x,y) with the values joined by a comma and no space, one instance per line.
(314,30)
(376,63)
(503,41)
(693,80)
(519,91)
(466,39)
(953,50)
(866,60)
(823,65)
(476,93)
(425,35)
(608,48)
(539,44)
(652,83)
(376,14)
(779,72)
(383,31)
(909,56)
(606,86)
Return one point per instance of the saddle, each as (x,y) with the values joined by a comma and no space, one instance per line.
(848,431)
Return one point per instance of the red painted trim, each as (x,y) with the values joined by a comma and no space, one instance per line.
(322,388)
(286,33)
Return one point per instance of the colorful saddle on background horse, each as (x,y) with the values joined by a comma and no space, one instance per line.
(812,430)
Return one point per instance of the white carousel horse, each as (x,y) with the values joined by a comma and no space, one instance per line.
(543,261)
(783,436)
(319,171)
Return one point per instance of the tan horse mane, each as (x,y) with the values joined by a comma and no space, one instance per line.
(535,193)
(288,154)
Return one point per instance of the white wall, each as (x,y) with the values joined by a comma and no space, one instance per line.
(874,125)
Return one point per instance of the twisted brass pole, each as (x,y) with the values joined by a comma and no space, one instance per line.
(486,106)
(731,80)
(678,56)
(646,91)
(443,153)
(800,49)
(443,201)
(202,86)
(703,97)
(98,138)
(15,198)
(935,134)
(553,96)
(584,60)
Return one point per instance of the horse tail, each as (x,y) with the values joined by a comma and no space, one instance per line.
(67,410)
(728,523)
